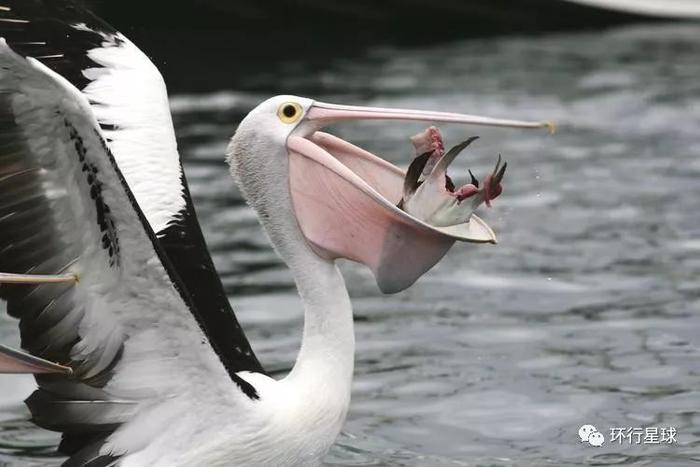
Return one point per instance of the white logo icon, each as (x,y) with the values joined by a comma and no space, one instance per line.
(596,439)
(589,434)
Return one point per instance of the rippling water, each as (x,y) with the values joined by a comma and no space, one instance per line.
(587,310)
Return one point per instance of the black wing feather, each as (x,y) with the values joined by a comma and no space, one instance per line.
(49,32)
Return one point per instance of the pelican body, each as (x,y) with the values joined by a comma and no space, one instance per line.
(138,357)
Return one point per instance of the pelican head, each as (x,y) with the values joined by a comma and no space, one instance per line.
(312,188)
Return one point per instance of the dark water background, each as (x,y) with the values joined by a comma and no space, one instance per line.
(587,310)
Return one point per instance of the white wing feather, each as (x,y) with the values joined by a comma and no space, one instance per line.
(129,95)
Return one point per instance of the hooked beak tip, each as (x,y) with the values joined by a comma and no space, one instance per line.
(494,239)
(551,126)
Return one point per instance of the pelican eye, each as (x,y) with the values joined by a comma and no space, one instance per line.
(289,112)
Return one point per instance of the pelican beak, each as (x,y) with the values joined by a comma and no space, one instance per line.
(352,204)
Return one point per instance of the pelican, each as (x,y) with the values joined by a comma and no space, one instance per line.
(137,354)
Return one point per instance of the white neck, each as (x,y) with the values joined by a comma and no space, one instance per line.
(317,390)
(310,404)
(327,351)
(328,346)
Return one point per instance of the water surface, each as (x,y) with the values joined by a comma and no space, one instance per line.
(587,310)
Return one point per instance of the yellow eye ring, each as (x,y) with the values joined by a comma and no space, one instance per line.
(289,112)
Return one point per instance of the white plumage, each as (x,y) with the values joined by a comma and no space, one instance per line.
(129,96)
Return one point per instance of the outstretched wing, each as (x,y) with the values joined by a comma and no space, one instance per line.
(128,97)
(127,329)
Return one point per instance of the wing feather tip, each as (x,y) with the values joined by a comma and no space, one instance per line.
(14,361)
